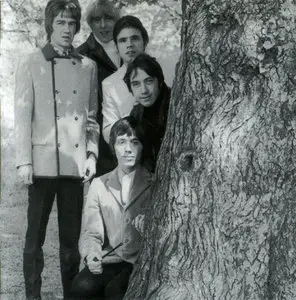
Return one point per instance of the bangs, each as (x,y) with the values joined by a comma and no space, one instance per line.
(69,12)
(103,10)
(125,128)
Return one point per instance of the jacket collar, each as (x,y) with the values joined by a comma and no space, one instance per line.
(142,180)
(49,53)
(99,51)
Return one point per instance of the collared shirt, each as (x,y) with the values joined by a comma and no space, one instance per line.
(111,50)
(62,51)
(126,181)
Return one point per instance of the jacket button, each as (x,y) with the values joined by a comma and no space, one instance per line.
(74,92)
(59,144)
(54,62)
(56,91)
(76,118)
(126,241)
(73,63)
(76,145)
(58,117)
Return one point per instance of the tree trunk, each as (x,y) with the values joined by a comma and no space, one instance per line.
(223,218)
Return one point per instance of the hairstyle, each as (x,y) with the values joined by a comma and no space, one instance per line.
(130,22)
(54,7)
(127,125)
(98,8)
(146,63)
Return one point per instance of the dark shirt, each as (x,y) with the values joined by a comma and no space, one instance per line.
(93,50)
(153,120)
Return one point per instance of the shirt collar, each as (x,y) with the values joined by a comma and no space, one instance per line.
(121,174)
(50,52)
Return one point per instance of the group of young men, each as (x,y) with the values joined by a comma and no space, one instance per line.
(96,111)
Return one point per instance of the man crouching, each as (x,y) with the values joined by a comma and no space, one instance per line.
(113,203)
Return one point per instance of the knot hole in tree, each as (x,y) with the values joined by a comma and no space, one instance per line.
(187,161)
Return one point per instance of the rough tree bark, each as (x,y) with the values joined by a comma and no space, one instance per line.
(223,217)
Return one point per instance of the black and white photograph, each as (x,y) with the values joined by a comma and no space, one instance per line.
(147,150)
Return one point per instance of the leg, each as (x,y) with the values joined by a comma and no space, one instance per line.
(117,286)
(87,285)
(41,196)
(69,202)
(111,284)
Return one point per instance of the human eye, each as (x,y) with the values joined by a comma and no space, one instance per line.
(120,141)
(135,142)
(121,40)
(149,80)
(108,18)
(135,84)
(135,38)
(97,19)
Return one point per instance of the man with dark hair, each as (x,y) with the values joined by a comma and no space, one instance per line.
(56,140)
(101,16)
(115,202)
(131,39)
(145,80)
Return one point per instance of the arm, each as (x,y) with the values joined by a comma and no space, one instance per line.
(109,110)
(23,111)
(92,234)
(92,129)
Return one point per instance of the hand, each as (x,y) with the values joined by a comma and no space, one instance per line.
(25,173)
(94,264)
(138,222)
(89,169)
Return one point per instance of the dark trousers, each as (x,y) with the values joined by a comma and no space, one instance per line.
(111,284)
(42,193)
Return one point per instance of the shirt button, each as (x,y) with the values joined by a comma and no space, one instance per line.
(127,220)
(76,145)
(126,241)
(76,118)
(73,63)
(74,92)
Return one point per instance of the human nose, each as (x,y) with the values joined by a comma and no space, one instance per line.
(144,88)
(129,43)
(128,147)
(103,22)
(67,28)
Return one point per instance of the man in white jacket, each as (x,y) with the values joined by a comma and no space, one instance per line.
(116,202)
(56,140)
(131,39)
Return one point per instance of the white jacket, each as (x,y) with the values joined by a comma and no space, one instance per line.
(117,100)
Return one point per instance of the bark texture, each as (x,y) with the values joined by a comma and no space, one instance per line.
(223,217)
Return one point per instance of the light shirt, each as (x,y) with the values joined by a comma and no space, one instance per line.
(111,50)
(62,51)
(126,181)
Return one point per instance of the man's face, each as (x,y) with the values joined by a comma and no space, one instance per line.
(63,30)
(102,28)
(128,151)
(144,87)
(130,44)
